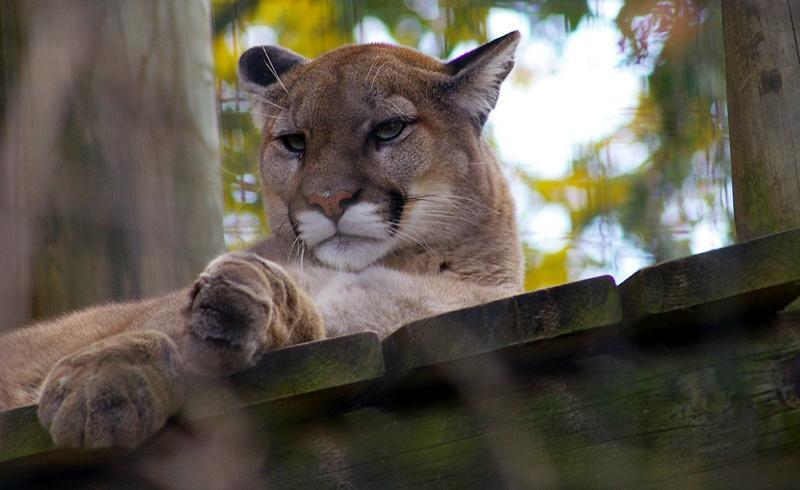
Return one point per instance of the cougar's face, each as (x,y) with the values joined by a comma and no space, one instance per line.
(342,158)
(353,142)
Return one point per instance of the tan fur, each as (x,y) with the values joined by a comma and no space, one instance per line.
(430,229)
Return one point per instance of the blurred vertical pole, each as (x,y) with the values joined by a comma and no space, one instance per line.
(109,179)
(762,63)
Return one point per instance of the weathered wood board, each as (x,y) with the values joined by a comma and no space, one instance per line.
(331,370)
(342,362)
(723,412)
(502,326)
(21,434)
(743,280)
(762,73)
(692,416)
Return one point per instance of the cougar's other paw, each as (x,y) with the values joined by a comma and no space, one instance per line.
(114,393)
(241,306)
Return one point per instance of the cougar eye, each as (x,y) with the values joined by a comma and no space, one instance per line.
(389,130)
(295,142)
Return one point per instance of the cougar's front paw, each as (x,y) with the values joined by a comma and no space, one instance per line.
(241,306)
(114,393)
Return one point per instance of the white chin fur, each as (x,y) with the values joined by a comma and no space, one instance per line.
(351,253)
(359,238)
(314,228)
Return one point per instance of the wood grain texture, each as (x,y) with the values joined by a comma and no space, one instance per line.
(762,63)
(692,416)
(291,372)
(21,434)
(689,416)
(502,325)
(330,367)
(756,277)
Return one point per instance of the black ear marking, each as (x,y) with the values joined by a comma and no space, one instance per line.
(261,65)
(473,56)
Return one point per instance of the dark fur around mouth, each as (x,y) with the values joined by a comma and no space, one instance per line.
(291,222)
(397,203)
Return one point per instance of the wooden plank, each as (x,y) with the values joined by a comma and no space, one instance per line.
(64,469)
(743,280)
(502,326)
(691,416)
(634,414)
(687,417)
(333,368)
(21,434)
(762,71)
(302,369)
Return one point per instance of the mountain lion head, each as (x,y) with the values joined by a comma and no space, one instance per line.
(370,149)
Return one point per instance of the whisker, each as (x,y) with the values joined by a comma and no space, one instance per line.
(284,222)
(261,98)
(433,223)
(372,85)
(230,172)
(408,236)
(440,220)
(366,79)
(447,197)
(449,216)
(396,109)
(241,204)
(291,249)
(264,114)
(453,211)
(302,255)
(274,71)
(410,239)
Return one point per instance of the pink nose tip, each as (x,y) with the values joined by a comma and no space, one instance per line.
(332,205)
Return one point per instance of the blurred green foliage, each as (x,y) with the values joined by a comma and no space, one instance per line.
(680,118)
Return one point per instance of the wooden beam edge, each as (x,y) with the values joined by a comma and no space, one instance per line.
(301,369)
(358,358)
(725,274)
(502,325)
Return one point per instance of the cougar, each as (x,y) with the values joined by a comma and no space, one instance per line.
(385,205)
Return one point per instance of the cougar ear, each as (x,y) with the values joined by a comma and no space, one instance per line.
(261,66)
(476,76)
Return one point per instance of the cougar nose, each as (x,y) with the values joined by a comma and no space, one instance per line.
(332,205)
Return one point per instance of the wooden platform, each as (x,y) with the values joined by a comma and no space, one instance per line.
(685,375)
